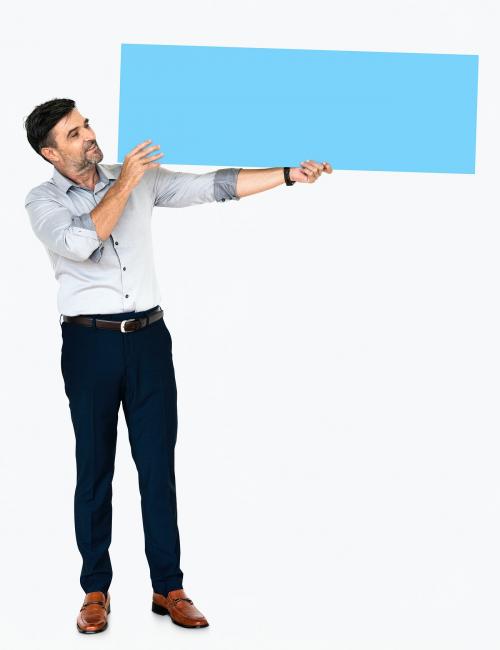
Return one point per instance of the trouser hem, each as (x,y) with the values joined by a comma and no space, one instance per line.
(164,587)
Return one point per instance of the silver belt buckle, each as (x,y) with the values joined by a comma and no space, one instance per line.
(122,325)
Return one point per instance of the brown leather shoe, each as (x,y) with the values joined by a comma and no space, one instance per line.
(179,607)
(93,616)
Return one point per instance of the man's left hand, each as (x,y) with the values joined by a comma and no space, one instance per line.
(309,171)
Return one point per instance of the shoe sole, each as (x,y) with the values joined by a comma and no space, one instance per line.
(94,631)
(163,611)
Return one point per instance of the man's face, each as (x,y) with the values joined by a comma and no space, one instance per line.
(76,146)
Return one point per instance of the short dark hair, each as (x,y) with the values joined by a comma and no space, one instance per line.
(42,119)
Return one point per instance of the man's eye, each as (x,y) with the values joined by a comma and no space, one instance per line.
(73,135)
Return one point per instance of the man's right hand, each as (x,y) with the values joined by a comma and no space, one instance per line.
(136,162)
(107,213)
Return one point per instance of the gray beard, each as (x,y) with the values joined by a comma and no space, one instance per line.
(90,160)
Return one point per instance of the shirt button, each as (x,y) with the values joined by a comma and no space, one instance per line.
(116,243)
(124,268)
(126,295)
(223,199)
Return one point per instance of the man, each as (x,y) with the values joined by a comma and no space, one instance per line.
(95,222)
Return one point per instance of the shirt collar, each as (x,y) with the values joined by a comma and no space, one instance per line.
(64,183)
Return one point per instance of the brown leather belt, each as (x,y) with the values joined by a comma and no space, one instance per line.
(125,326)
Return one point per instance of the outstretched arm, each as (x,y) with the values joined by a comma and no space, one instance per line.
(252,181)
(182,189)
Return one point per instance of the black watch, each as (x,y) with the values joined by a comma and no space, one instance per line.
(286,172)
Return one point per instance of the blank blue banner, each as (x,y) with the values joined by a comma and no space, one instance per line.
(262,107)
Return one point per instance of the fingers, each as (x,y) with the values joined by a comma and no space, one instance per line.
(144,152)
(308,172)
(140,152)
(311,164)
(148,159)
(313,169)
(138,147)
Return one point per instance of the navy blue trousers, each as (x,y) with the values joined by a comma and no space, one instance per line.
(103,369)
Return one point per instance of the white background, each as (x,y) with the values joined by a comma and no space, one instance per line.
(337,355)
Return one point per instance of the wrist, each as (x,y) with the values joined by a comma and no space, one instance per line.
(286,175)
(122,186)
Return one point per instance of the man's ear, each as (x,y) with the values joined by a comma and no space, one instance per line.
(50,153)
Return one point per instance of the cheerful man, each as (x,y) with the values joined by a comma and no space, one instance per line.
(95,223)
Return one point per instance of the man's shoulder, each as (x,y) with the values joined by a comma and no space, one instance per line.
(113,168)
(46,190)
(147,181)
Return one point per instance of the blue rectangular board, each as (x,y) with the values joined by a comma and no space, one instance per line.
(264,107)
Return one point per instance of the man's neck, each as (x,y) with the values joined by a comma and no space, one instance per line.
(86,179)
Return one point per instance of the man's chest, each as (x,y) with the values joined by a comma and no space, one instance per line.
(135,220)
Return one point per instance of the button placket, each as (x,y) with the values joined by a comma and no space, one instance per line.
(116,243)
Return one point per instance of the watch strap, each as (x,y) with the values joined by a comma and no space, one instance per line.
(286,172)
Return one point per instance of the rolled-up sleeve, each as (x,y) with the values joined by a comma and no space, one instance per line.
(72,236)
(182,189)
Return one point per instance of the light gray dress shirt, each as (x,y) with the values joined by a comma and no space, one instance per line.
(117,274)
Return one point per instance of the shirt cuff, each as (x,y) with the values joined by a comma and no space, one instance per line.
(85,222)
(225,184)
